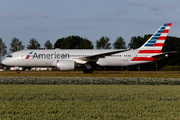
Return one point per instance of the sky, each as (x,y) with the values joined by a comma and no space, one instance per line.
(91,19)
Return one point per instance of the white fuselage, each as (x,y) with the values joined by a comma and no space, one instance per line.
(48,58)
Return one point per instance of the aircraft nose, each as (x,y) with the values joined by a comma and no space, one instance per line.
(5,62)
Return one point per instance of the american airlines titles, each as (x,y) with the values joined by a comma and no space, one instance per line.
(50,56)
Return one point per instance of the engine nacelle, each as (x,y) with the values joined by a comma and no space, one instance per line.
(65,65)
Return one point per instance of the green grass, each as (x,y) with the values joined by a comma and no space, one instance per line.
(171,68)
(89,102)
(152,74)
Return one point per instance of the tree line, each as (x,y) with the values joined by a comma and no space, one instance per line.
(76,42)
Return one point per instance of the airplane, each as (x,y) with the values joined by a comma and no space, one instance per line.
(68,59)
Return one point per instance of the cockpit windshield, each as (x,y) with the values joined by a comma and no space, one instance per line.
(9,55)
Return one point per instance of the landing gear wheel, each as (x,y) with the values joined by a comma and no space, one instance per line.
(88,71)
(18,71)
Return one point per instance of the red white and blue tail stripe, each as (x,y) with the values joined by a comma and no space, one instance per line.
(156,42)
(154,45)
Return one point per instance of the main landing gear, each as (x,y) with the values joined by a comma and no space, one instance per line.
(88,68)
(88,71)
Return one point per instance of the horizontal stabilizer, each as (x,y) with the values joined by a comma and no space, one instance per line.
(162,55)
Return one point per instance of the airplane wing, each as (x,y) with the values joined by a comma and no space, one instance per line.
(95,57)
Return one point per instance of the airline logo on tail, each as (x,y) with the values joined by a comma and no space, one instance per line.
(153,45)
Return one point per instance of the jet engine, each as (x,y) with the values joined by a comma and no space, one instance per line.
(65,65)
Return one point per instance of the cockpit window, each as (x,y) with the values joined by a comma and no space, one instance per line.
(9,56)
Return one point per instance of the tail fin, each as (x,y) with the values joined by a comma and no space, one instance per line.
(156,41)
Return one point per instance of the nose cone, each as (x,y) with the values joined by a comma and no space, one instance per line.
(5,61)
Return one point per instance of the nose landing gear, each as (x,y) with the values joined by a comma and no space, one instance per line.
(18,71)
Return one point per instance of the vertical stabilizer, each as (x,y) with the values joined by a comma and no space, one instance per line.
(153,46)
(156,41)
